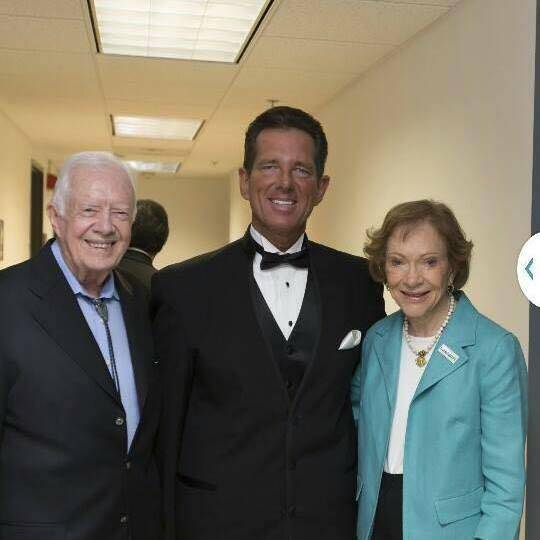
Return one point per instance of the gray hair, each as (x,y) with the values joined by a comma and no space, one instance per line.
(90,160)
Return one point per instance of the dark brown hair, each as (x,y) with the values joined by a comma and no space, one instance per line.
(283,117)
(410,214)
(150,228)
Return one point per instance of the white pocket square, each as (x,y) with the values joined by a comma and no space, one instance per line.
(351,340)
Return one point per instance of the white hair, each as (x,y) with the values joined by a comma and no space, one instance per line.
(90,160)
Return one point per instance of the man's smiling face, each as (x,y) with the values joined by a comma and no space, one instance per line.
(282,188)
(95,228)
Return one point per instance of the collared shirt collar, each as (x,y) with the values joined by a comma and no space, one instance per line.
(108,290)
(268,246)
(139,250)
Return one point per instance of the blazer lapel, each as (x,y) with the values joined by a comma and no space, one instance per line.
(57,311)
(450,353)
(387,347)
(137,335)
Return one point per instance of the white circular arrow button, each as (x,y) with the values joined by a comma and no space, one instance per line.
(528,269)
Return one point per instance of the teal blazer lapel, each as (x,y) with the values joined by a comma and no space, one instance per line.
(387,347)
(450,352)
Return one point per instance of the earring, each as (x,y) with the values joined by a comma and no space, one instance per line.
(450,288)
(386,286)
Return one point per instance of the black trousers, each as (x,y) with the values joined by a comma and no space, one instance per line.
(388,523)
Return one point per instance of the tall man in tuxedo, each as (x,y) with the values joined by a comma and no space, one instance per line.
(78,394)
(260,340)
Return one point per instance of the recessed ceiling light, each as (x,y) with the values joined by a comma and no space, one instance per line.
(154,166)
(155,128)
(213,30)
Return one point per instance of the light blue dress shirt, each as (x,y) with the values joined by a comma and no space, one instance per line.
(122,356)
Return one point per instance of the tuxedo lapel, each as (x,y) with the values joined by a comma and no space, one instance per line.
(56,310)
(325,300)
(248,289)
(136,333)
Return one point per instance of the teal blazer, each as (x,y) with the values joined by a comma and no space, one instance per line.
(464,464)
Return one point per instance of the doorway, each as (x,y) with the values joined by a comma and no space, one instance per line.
(36,210)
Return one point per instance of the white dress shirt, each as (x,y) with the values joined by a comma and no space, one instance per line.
(283,286)
(409,377)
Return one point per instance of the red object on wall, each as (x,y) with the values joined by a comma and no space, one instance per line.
(51,181)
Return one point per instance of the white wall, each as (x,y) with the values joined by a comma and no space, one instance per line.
(448,117)
(15,170)
(198,214)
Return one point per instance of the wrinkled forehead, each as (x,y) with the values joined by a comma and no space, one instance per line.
(108,183)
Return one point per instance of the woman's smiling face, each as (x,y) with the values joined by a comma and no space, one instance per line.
(418,274)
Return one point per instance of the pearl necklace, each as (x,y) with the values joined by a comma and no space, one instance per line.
(421,355)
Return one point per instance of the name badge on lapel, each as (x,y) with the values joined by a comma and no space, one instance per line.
(449,354)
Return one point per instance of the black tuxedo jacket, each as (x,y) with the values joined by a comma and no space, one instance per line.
(239,460)
(65,473)
(138,266)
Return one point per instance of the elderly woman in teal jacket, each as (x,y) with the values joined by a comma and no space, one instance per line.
(440,396)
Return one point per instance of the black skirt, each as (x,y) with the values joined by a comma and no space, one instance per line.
(388,523)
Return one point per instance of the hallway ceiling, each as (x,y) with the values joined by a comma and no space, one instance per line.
(60,92)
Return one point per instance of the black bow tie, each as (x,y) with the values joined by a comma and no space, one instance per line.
(300,259)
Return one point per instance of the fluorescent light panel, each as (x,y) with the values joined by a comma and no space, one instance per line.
(156,128)
(213,30)
(154,166)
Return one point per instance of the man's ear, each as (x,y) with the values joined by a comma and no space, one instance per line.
(322,186)
(243,177)
(54,218)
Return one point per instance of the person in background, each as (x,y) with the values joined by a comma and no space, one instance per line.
(79,394)
(149,233)
(441,396)
(259,341)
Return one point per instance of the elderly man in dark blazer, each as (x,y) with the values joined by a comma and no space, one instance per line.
(78,389)
(259,341)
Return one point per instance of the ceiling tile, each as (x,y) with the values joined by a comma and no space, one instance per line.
(63,124)
(447,3)
(315,55)
(164,81)
(147,108)
(217,151)
(43,34)
(58,9)
(290,87)
(28,75)
(352,20)
(153,146)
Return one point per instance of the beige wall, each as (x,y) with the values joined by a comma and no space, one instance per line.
(198,214)
(239,210)
(15,169)
(449,117)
